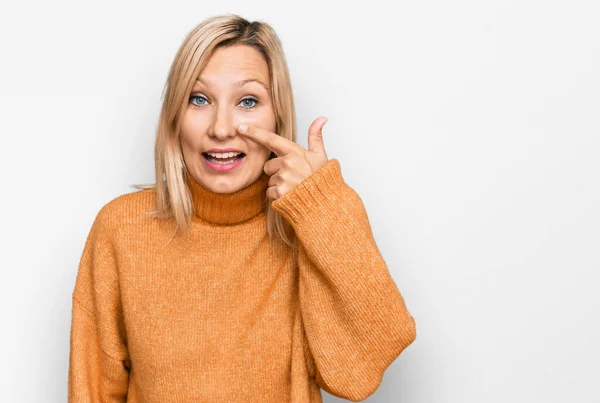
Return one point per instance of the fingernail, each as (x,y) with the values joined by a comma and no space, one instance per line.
(243,127)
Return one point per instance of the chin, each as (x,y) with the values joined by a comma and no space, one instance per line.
(229,184)
(224,185)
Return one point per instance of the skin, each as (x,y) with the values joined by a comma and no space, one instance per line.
(216,109)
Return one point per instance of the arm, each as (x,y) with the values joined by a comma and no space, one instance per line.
(98,361)
(355,319)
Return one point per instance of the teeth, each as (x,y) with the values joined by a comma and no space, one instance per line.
(224,155)
(223,162)
(226,158)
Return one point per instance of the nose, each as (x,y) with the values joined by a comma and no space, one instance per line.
(223,124)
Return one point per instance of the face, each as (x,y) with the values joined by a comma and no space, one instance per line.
(217,104)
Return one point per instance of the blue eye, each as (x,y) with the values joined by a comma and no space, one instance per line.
(253,101)
(250,99)
(192,97)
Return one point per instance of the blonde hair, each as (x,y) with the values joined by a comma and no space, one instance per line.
(173,198)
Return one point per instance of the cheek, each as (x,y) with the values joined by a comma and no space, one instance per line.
(258,151)
(263,117)
(192,129)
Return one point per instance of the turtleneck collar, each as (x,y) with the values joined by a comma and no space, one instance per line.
(229,208)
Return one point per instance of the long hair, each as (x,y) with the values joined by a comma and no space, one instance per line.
(173,198)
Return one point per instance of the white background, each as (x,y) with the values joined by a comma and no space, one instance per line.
(469,128)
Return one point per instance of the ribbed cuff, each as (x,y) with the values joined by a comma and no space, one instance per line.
(313,194)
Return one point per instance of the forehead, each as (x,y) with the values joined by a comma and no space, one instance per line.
(233,63)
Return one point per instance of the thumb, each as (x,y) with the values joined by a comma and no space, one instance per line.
(315,135)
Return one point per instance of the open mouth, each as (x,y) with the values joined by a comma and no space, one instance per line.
(223,161)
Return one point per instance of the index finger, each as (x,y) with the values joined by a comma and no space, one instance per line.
(281,146)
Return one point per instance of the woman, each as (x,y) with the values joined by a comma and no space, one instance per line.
(249,272)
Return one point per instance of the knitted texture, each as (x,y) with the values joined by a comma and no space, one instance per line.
(222,313)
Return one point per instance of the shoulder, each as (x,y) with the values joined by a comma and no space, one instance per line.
(111,226)
(127,209)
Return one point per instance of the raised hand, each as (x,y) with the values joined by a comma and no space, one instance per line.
(293,163)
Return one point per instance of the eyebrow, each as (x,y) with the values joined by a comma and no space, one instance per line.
(239,84)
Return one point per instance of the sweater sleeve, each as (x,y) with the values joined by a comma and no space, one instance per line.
(99,362)
(355,319)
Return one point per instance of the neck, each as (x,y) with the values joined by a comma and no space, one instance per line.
(229,208)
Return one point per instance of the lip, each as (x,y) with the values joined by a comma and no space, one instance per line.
(223,167)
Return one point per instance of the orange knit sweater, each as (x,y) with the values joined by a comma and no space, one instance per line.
(222,313)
